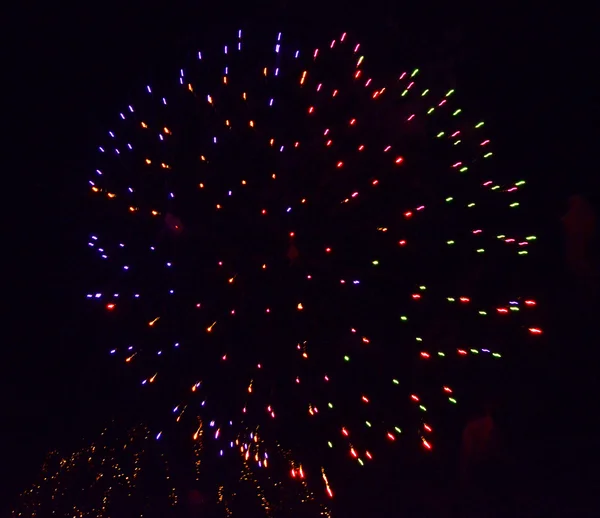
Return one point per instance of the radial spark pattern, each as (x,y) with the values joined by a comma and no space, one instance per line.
(295,245)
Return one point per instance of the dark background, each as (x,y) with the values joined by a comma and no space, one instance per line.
(528,71)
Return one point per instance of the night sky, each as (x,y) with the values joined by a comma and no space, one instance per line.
(527,71)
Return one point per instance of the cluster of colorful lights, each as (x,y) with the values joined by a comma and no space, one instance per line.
(112,476)
(379,196)
(102,479)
